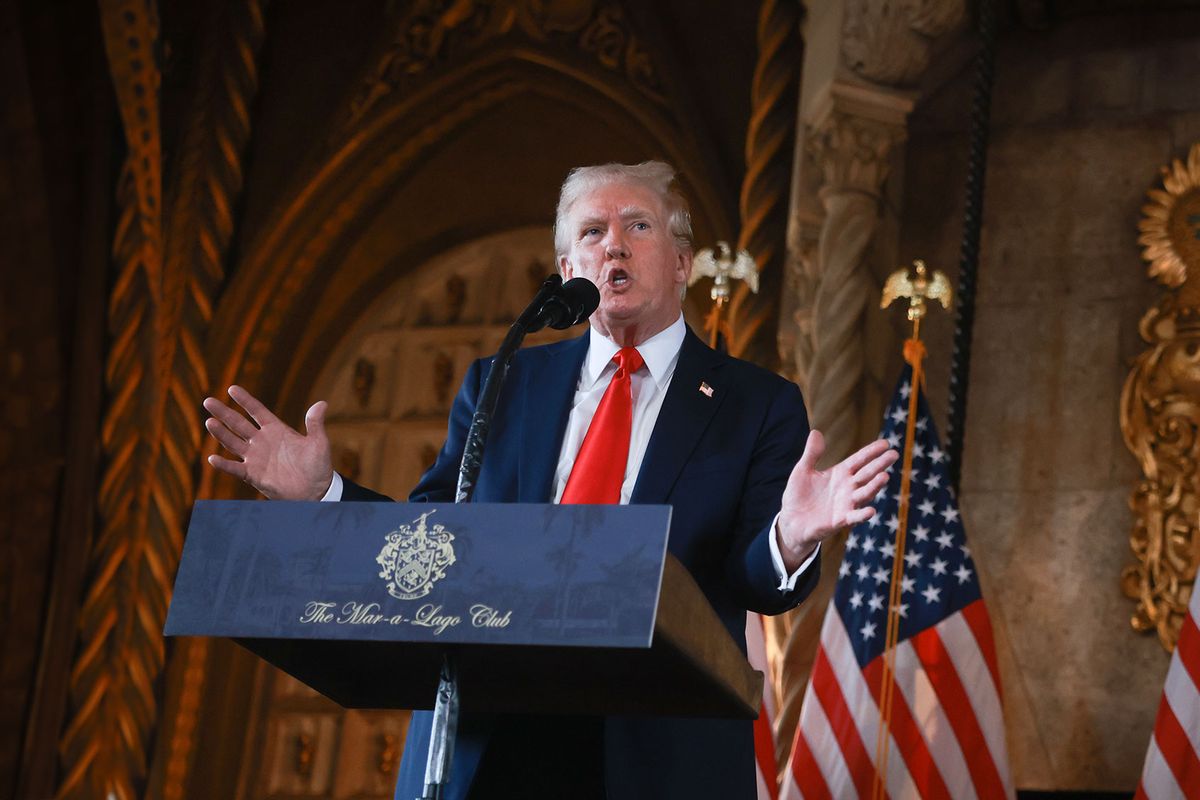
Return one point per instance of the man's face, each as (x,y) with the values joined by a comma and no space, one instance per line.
(620,241)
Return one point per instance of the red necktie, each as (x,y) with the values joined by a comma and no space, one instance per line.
(599,467)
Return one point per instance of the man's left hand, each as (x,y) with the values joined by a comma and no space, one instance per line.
(818,502)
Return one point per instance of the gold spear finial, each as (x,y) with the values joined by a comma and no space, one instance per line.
(917,289)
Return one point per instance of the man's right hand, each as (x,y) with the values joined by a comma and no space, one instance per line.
(272,457)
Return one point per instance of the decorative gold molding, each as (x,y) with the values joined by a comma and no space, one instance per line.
(119,653)
(1160,411)
(430,33)
(762,205)
(207,187)
(371,159)
(159,311)
(1171,221)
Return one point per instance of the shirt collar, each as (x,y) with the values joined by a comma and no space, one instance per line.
(660,352)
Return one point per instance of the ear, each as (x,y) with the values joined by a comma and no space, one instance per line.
(565,269)
(683,266)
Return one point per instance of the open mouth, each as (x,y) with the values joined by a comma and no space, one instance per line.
(618,278)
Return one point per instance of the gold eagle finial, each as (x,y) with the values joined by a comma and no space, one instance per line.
(722,266)
(917,289)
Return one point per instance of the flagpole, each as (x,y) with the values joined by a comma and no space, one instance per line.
(914,352)
(712,323)
(917,290)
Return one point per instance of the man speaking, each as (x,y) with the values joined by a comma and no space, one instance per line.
(637,410)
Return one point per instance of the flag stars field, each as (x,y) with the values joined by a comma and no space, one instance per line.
(943,636)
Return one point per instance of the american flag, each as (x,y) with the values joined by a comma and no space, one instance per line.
(1172,768)
(947,726)
(767,771)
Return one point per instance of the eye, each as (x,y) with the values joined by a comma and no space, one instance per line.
(591,231)
(641,226)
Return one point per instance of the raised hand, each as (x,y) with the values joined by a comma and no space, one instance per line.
(272,457)
(816,503)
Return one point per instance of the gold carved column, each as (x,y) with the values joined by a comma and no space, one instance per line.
(1160,411)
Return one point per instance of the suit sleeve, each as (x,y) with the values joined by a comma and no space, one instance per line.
(439,484)
(749,571)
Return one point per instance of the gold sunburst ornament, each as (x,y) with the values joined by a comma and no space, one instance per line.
(1160,411)
(1170,227)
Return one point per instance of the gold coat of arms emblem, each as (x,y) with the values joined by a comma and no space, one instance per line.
(415,557)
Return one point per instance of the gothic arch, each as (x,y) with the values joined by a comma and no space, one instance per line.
(372,206)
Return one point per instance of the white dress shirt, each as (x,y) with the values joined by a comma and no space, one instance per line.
(649,387)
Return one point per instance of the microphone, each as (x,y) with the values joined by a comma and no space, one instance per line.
(571,305)
(557,304)
(560,305)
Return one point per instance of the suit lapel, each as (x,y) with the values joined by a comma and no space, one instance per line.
(686,412)
(547,392)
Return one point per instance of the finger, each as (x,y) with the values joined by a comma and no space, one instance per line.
(859,515)
(877,466)
(231,419)
(814,448)
(257,411)
(314,419)
(235,468)
(856,460)
(234,444)
(865,493)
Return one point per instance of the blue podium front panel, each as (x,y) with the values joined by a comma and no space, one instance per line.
(504,574)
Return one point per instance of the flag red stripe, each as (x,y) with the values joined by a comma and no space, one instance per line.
(907,734)
(1188,648)
(841,721)
(956,703)
(1176,749)
(1140,794)
(977,619)
(806,772)
(764,751)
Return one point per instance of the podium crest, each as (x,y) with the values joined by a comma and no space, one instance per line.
(415,557)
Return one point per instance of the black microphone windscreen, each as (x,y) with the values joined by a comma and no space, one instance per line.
(583,298)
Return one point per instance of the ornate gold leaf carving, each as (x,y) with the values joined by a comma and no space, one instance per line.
(763,202)
(159,311)
(431,33)
(1170,227)
(1160,412)
(120,649)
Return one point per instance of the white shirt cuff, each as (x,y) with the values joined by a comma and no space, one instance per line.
(334,493)
(786,582)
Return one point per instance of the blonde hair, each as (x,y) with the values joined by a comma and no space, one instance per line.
(657,176)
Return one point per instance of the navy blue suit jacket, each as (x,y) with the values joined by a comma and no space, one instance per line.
(720,461)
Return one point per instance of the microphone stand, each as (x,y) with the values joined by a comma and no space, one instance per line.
(445,710)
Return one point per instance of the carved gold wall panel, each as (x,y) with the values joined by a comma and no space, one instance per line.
(1160,411)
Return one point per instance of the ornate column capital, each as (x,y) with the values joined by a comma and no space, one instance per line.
(851,134)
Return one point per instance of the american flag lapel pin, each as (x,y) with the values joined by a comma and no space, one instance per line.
(705,389)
